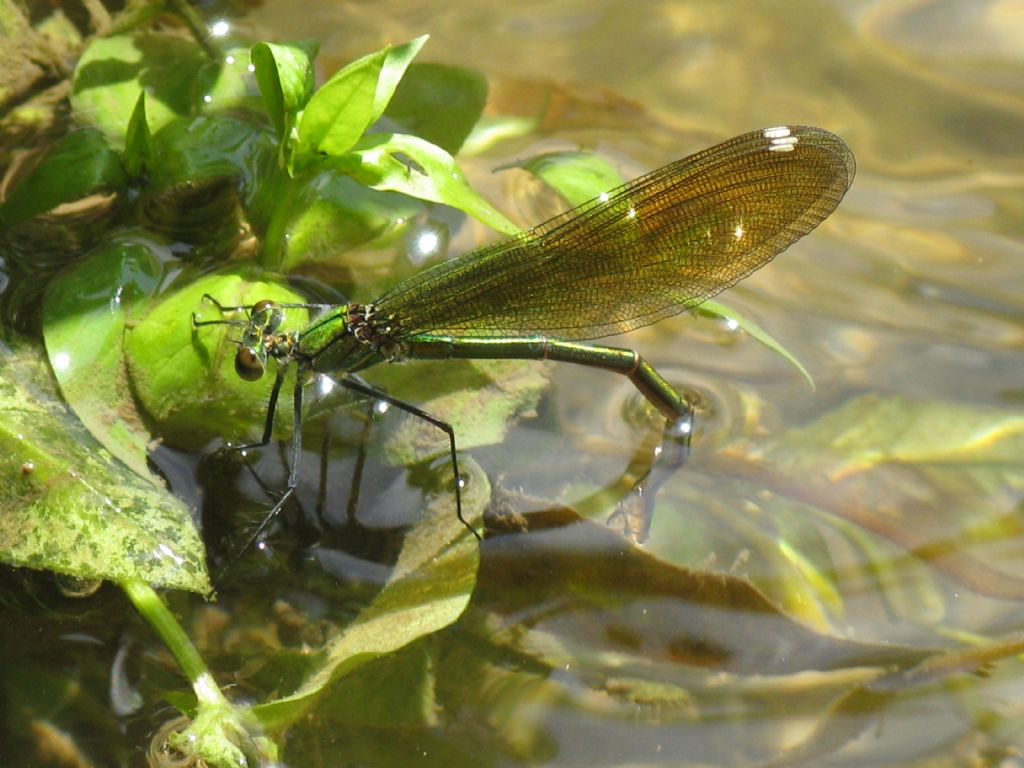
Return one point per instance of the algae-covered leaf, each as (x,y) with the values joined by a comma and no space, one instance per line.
(428,590)
(67,506)
(84,315)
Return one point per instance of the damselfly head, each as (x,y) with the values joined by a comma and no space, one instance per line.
(250,363)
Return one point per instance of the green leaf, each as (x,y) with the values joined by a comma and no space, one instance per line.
(205,147)
(68,507)
(114,71)
(228,85)
(286,78)
(576,176)
(396,61)
(84,316)
(428,590)
(394,691)
(439,103)
(334,214)
(337,115)
(479,398)
(80,164)
(138,143)
(351,101)
(185,378)
(407,164)
(717,309)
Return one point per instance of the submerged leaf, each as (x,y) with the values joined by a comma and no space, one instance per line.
(611,603)
(333,214)
(911,472)
(428,590)
(872,430)
(863,706)
(85,311)
(190,150)
(478,398)
(68,507)
(80,164)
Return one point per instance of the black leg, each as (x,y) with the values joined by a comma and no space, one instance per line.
(293,474)
(356,484)
(247,307)
(356,385)
(197,323)
(200,323)
(268,425)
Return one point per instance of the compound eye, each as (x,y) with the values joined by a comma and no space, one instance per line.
(248,364)
(266,316)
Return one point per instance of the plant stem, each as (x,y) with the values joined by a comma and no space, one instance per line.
(155,611)
(221,734)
